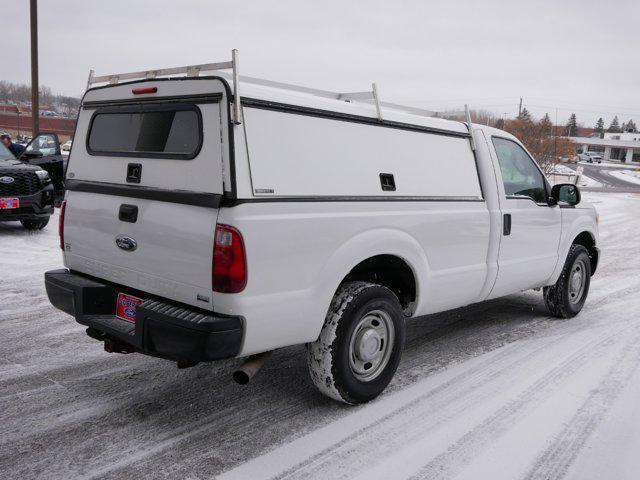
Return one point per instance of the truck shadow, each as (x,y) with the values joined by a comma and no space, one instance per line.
(197,418)
(433,343)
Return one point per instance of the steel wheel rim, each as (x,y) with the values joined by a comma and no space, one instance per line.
(577,281)
(371,345)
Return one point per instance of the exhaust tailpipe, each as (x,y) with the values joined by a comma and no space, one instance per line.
(114,346)
(250,367)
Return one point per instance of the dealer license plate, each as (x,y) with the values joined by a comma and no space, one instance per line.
(8,203)
(126,307)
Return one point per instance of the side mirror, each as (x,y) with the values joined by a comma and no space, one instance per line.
(567,193)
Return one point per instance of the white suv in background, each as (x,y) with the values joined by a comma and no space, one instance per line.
(590,157)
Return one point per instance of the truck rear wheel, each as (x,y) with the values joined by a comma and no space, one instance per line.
(35,224)
(566,298)
(360,344)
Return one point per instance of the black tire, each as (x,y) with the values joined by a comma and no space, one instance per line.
(353,314)
(35,224)
(562,299)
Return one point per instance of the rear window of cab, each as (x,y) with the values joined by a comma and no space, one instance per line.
(151,131)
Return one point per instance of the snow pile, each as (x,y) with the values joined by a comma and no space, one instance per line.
(609,164)
(564,174)
(630,176)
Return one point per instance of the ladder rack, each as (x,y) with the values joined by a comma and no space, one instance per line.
(369,96)
(195,70)
(189,70)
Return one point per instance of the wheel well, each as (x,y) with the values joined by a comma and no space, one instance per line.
(587,241)
(391,272)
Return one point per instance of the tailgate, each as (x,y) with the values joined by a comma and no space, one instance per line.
(145,179)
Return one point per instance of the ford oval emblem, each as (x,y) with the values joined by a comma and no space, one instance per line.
(126,243)
(7,180)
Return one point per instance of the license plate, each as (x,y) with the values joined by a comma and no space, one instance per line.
(126,307)
(7,203)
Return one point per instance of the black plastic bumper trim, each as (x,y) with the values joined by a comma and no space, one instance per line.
(163,329)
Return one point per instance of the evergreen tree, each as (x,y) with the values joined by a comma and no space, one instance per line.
(600,127)
(524,114)
(630,126)
(546,127)
(571,130)
(615,126)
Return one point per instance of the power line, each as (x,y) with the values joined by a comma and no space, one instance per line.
(555,101)
(553,104)
(569,109)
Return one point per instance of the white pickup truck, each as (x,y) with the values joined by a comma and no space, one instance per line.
(209,217)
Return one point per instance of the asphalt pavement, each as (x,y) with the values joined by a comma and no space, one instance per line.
(602,173)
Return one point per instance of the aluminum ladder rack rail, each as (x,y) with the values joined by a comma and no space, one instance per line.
(188,70)
(195,70)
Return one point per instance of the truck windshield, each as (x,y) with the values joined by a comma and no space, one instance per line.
(151,131)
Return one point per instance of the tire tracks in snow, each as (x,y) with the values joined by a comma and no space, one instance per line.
(556,460)
(456,458)
(355,447)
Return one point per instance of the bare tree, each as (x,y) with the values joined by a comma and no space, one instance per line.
(538,138)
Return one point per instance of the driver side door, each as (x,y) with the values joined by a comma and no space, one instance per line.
(44,151)
(531,228)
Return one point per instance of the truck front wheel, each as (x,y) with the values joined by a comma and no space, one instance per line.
(360,344)
(566,298)
(37,224)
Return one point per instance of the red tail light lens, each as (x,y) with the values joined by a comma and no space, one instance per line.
(140,91)
(63,207)
(229,261)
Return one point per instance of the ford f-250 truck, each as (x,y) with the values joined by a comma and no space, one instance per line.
(209,217)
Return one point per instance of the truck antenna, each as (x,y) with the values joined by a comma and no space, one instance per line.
(468,115)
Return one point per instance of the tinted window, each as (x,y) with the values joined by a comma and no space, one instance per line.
(5,154)
(45,144)
(520,175)
(156,133)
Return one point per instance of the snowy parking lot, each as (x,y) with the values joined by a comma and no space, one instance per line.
(499,390)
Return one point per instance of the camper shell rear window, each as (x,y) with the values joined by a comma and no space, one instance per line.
(149,131)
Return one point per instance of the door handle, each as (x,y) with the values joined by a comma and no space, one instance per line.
(506,224)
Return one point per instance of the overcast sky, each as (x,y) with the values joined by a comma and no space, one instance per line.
(577,56)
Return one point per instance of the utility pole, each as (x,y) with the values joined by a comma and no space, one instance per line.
(35,104)
(555,139)
(520,108)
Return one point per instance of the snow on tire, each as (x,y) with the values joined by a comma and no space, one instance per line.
(359,347)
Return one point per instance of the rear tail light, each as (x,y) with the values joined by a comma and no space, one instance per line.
(63,207)
(229,261)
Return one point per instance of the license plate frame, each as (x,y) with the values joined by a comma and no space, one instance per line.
(9,203)
(126,307)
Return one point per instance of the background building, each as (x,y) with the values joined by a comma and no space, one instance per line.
(621,147)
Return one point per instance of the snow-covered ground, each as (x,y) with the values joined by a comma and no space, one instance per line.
(630,176)
(497,390)
(563,174)
(610,164)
